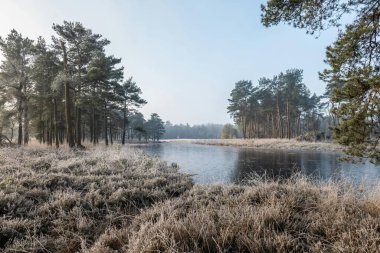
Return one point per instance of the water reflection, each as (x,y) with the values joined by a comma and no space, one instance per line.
(208,165)
(211,164)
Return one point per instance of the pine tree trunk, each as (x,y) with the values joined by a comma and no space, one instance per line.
(288,119)
(83,131)
(56,123)
(78,125)
(48,133)
(111,137)
(69,124)
(94,126)
(124,123)
(26,124)
(19,116)
(105,125)
(279,125)
(51,127)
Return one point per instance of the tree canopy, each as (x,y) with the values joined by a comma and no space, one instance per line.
(67,91)
(353,81)
(229,132)
(185,131)
(278,107)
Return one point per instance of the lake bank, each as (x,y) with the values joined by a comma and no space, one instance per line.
(121,200)
(276,144)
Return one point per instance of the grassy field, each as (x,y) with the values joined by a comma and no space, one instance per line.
(293,216)
(120,200)
(282,144)
(63,201)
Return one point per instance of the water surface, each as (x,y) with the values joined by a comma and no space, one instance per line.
(212,164)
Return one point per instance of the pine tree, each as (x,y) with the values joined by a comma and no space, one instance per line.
(15,78)
(131,95)
(154,127)
(80,45)
(354,59)
(276,108)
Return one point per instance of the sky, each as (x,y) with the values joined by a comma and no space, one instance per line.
(185,55)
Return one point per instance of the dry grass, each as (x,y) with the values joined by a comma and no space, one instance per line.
(119,200)
(293,216)
(62,201)
(283,144)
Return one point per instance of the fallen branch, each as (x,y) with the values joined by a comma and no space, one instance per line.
(2,137)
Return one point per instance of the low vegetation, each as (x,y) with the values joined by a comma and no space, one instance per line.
(281,144)
(62,201)
(120,200)
(293,216)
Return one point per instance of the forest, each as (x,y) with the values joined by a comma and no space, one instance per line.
(278,107)
(69,91)
(181,131)
(74,194)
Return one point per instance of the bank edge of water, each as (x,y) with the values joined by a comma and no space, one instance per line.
(120,200)
(274,144)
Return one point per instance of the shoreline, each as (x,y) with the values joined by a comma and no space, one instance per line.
(267,144)
(121,200)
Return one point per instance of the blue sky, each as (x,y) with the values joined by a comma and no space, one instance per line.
(185,55)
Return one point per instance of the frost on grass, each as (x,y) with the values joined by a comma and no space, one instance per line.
(292,216)
(278,144)
(119,200)
(62,201)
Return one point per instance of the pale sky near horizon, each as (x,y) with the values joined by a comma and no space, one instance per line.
(185,55)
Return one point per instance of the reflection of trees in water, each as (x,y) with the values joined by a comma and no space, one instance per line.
(264,164)
(153,149)
(283,164)
(211,164)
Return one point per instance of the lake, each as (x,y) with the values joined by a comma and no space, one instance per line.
(221,164)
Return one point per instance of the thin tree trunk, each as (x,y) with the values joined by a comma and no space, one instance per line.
(26,124)
(55,123)
(105,125)
(69,124)
(79,126)
(124,123)
(279,125)
(19,117)
(83,131)
(51,127)
(94,126)
(111,137)
(288,118)
(48,134)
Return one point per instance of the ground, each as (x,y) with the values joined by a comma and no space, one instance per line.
(279,144)
(119,200)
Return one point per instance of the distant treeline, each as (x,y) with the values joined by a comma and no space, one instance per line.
(205,131)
